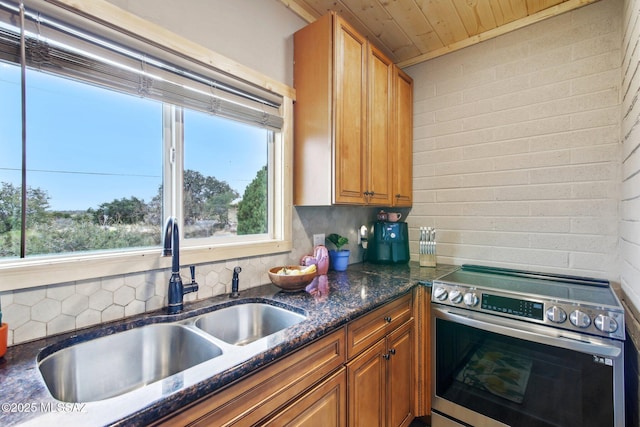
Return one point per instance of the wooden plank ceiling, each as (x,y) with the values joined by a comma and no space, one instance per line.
(412,31)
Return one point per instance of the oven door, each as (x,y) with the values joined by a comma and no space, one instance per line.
(493,371)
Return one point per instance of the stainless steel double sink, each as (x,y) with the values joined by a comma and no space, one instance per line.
(115,364)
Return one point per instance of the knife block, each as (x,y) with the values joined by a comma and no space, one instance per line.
(427,260)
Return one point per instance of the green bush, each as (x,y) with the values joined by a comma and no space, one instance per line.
(87,236)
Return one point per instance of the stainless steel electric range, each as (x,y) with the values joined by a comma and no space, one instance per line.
(522,348)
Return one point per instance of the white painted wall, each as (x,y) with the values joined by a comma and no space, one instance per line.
(516,151)
(630,156)
(255,33)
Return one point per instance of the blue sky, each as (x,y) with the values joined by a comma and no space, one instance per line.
(87,146)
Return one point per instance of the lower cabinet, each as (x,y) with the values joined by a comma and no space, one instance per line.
(261,395)
(380,381)
(380,378)
(400,374)
(361,375)
(422,315)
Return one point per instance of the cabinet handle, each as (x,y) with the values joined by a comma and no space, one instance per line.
(387,319)
(386,356)
(398,195)
(392,351)
(368,195)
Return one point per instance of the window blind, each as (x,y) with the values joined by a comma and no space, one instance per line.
(103,56)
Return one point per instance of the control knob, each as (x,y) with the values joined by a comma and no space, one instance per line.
(556,314)
(455,296)
(580,319)
(606,324)
(440,293)
(470,299)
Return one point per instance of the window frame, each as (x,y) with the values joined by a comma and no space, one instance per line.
(46,270)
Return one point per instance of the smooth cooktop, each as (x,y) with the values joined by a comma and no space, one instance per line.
(521,282)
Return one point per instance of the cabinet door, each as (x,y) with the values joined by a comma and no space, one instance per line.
(403,153)
(324,406)
(422,343)
(400,383)
(381,119)
(366,384)
(350,114)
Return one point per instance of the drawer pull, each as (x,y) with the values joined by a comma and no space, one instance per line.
(386,356)
(392,351)
(387,319)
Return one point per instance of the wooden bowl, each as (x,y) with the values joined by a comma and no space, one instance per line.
(291,283)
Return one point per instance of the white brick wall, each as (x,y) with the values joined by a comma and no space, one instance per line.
(630,135)
(516,151)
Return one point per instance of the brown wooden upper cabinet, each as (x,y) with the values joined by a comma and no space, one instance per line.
(403,152)
(353,120)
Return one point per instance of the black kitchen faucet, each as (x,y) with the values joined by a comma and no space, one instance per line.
(176,288)
(235,283)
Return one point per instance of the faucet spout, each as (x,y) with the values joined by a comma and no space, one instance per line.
(171,246)
(171,243)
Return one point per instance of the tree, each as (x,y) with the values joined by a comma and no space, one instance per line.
(219,205)
(206,197)
(252,210)
(154,209)
(11,207)
(122,211)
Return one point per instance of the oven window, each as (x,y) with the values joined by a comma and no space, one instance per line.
(521,383)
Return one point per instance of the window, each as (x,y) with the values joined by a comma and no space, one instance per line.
(120,135)
(94,167)
(225,177)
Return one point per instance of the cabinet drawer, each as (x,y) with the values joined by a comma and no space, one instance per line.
(363,332)
(256,397)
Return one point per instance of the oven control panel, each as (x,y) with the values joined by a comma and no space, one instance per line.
(513,306)
(596,320)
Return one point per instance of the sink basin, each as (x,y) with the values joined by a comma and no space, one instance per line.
(245,323)
(115,364)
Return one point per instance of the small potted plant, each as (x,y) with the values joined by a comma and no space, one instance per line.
(339,257)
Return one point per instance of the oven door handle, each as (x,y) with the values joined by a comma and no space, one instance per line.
(532,332)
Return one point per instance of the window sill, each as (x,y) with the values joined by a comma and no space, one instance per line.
(22,274)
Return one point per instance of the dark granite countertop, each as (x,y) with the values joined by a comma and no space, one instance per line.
(25,400)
